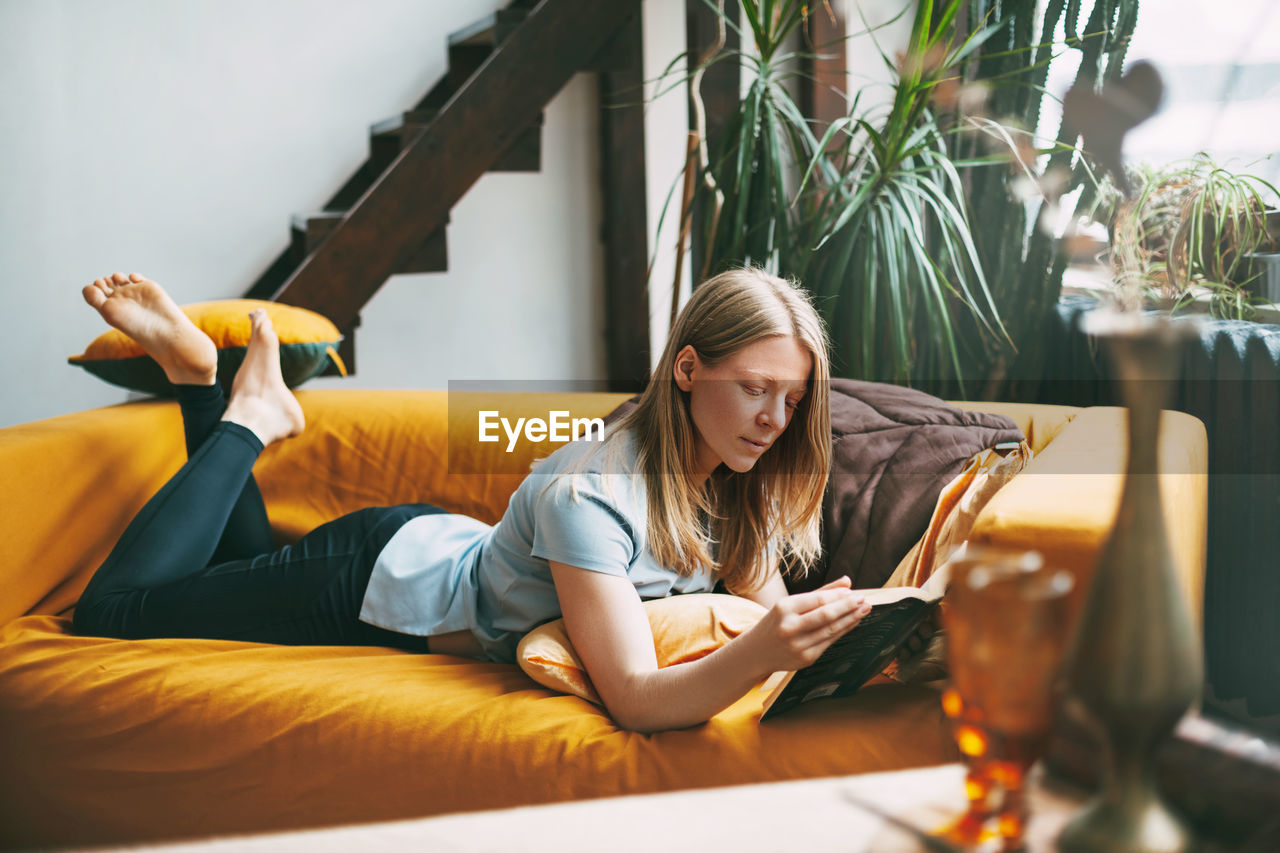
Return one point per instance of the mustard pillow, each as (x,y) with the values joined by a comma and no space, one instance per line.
(308,342)
(685,628)
(957,509)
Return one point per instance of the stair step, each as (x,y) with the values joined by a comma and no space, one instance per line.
(387,139)
(471,46)
(309,230)
(491,30)
(390,136)
(464,61)
(439,95)
(396,124)
(357,185)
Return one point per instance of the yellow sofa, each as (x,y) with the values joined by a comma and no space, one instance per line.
(106,740)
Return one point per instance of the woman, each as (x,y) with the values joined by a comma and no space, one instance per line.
(716,483)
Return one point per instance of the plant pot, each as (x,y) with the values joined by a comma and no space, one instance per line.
(1262,275)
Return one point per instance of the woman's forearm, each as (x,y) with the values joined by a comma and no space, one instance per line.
(683,695)
(792,634)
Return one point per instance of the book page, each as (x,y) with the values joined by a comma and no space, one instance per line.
(889,595)
(932,590)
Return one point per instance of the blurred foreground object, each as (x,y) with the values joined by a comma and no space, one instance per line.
(1007,623)
(1135,665)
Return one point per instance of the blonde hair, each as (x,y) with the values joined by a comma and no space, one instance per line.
(771,513)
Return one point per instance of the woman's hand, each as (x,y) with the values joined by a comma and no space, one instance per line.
(799,628)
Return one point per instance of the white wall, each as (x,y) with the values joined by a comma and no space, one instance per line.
(176,138)
(875,27)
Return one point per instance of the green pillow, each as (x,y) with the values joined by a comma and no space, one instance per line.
(308,343)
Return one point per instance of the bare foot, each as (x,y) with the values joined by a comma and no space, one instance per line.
(260,401)
(142,310)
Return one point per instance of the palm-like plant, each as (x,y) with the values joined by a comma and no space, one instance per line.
(871,217)
(896,257)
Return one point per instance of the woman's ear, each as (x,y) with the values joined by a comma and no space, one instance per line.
(686,361)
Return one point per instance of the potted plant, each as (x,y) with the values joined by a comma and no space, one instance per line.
(895,260)
(871,216)
(1196,227)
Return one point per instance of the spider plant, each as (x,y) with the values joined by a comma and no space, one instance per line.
(1191,228)
(1223,222)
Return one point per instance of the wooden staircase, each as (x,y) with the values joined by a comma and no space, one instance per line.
(485,114)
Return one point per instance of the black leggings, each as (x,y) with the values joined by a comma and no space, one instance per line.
(198,559)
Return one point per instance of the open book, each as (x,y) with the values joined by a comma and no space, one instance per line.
(861,654)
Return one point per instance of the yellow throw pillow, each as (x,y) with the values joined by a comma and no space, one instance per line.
(685,628)
(956,511)
(308,342)
(953,517)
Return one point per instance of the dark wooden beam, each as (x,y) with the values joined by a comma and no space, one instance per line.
(388,224)
(719,90)
(625,229)
(824,88)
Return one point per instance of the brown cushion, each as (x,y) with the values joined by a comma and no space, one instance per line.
(893,449)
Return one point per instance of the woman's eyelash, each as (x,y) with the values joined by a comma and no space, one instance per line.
(756,392)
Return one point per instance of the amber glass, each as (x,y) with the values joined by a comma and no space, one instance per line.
(1006,620)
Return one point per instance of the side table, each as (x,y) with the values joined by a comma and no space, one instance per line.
(853,814)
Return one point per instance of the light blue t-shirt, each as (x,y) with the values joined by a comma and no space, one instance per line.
(443,573)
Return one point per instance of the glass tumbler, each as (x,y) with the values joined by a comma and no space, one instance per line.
(1006,618)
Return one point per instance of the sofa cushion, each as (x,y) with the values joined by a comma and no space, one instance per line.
(108,740)
(308,342)
(685,628)
(893,450)
(957,509)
